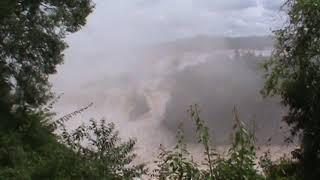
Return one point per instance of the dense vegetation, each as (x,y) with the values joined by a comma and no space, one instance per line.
(34,146)
(293,73)
(32,41)
(238,162)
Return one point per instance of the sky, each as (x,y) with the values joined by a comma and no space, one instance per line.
(116,26)
(150,21)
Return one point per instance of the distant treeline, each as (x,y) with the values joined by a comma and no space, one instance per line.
(205,43)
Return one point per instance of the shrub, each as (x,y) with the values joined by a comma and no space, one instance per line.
(238,163)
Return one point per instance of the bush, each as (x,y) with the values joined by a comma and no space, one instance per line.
(283,169)
(238,163)
(92,151)
(101,152)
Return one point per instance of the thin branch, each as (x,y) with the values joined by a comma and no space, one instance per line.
(47,7)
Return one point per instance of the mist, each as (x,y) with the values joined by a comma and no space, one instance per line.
(142,63)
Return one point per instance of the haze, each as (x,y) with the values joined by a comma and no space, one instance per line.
(142,62)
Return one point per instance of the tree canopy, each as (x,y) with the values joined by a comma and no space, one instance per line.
(32,41)
(293,73)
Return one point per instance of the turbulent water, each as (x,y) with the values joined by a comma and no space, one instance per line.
(146,92)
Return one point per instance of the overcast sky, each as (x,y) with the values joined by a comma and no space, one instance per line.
(140,21)
(120,25)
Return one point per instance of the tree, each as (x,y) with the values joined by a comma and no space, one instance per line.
(92,151)
(32,36)
(100,152)
(293,73)
(6,7)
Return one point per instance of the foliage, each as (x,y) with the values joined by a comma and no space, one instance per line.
(92,151)
(31,44)
(293,73)
(282,169)
(176,164)
(241,156)
(6,7)
(237,164)
(102,153)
